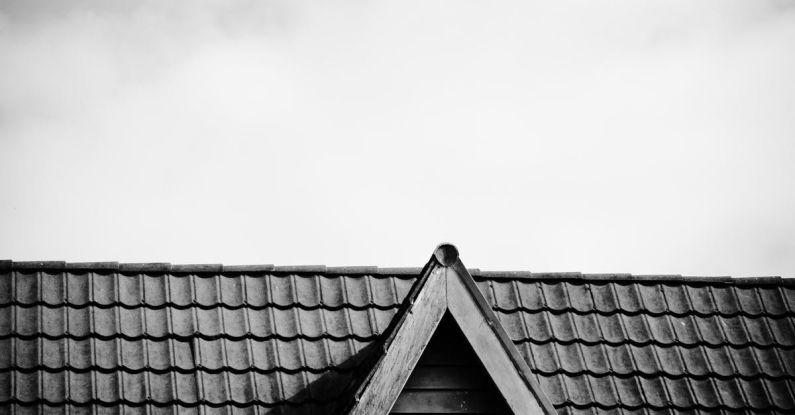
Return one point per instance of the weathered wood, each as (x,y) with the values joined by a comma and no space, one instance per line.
(482,335)
(446,402)
(414,333)
(449,287)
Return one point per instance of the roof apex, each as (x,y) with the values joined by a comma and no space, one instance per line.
(446,253)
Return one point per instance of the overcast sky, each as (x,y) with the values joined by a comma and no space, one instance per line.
(653,136)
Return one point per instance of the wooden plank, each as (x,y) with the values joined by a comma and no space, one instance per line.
(448,377)
(411,337)
(446,402)
(488,346)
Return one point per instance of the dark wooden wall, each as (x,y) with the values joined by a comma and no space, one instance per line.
(449,379)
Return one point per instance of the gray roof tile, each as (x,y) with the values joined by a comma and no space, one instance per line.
(297,338)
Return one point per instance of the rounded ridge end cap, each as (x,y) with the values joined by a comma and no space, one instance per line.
(446,254)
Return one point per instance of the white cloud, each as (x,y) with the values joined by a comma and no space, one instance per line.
(567,135)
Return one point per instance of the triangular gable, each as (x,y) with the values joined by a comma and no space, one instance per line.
(449,378)
(446,286)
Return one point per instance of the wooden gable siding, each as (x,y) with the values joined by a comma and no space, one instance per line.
(449,379)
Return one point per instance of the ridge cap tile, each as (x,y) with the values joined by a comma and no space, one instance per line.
(247,268)
(5,264)
(658,277)
(300,268)
(504,274)
(145,267)
(757,280)
(720,279)
(557,275)
(38,265)
(197,268)
(110,265)
(400,270)
(353,270)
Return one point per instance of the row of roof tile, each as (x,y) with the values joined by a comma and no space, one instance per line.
(656,299)
(660,393)
(223,388)
(119,322)
(181,356)
(39,408)
(714,331)
(184,291)
(626,360)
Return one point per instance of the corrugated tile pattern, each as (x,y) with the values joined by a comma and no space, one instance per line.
(155,342)
(642,346)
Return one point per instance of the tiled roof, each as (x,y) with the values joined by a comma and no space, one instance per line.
(264,339)
(621,344)
(259,339)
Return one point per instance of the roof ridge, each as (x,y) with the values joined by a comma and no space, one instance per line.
(166,267)
(625,277)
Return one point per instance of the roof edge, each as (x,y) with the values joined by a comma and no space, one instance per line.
(443,253)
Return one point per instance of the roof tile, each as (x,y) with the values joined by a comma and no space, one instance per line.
(6,291)
(580,297)
(781,392)
(54,386)
(629,392)
(645,359)
(331,291)
(595,358)
(232,292)
(756,393)
(206,289)
(186,387)
(685,330)
(555,296)
(628,297)
(52,288)
(652,298)
(604,391)
(544,357)
(604,297)
(701,299)
(676,298)
(655,391)
(671,361)
(356,291)
(129,289)
(570,357)
(620,358)
(758,330)
(554,388)
(614,342)
(612,328)
(772,300)
(579,390)
(749,300)
(562,326)
(5,353)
